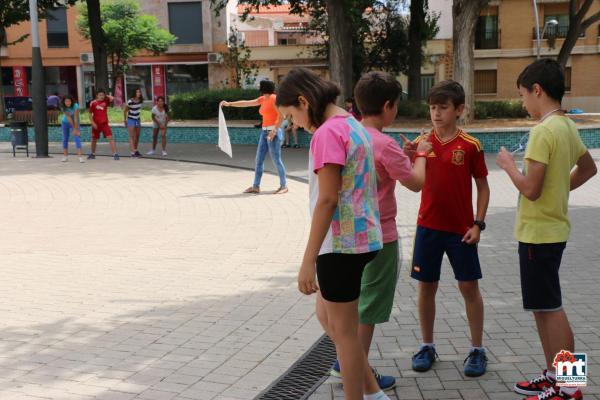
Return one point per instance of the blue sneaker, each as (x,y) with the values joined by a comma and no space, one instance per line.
(384,382)
(116,157)
(424,359)
(475,363)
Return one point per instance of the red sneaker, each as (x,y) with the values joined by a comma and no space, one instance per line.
(535,386)
(554,393)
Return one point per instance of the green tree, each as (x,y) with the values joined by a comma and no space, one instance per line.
(578,23)
(13,12)
(237,59)
(126,33)
(423,27)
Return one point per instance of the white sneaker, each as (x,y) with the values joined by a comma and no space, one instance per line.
(81,160)
(164,153)
(151,153)
(64,159)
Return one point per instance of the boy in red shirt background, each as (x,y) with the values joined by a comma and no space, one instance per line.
(99,120)
(446,225)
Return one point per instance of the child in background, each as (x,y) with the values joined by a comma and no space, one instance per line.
(345,233)
(445,224)
(160,119)
(293,130)
(377,95)
(542,226)
(99,120)
(70,123)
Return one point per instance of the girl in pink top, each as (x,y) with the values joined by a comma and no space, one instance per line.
(345,233)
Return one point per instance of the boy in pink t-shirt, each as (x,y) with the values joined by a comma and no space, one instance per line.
(377,95)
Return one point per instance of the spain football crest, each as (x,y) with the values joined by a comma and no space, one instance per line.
(458,157)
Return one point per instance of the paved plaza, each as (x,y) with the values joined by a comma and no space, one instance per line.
(155,279)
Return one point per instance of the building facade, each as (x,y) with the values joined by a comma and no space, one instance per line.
(505,43)
(191,63)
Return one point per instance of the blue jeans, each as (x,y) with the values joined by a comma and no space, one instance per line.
(272,147)
(66,130)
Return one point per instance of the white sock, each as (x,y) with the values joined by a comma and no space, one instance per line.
(568,390)
(551,375)
(376,396)
(428,344)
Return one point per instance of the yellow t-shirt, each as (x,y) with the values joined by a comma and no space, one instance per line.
(556,143)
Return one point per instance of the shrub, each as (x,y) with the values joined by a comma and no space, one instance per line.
(499,109)
(413,109)
(205,104)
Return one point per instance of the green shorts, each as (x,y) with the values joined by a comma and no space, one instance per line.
(378,286)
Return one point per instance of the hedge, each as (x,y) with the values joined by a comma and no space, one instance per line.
(205,104)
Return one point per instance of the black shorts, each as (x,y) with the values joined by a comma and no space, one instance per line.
(428,253)
(340,275)
(540,283)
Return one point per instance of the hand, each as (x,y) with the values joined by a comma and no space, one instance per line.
(307,278)
(271,135)
(125,123)
(472,236)
(94,125)
(76,132)
(504,159)
(424,145)
(223,104)
(408,146)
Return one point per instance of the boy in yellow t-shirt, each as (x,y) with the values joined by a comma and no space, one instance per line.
(542,225)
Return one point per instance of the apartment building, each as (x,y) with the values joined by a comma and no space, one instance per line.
(191,63)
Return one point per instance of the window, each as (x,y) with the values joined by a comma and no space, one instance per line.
(185,22)
(560,30)
(568,79)
(56,24)
(485,82)
(427,82)
(288,41)
(186,78)
(486,32)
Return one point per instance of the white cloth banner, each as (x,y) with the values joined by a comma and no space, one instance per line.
(224,142)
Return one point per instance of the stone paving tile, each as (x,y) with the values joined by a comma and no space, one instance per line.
(150,280)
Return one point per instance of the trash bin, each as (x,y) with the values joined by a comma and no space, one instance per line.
(19,137)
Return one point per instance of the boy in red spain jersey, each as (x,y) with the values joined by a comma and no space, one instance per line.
(445,223)
(99,120)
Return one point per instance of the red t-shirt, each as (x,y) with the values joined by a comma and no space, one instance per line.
(99,111)
(446,199)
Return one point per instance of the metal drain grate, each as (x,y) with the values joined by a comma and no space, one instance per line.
(305,376)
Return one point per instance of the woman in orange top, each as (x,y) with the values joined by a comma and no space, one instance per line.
(271,136)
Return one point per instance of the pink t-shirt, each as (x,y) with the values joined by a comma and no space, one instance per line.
(355,227)
(391,164)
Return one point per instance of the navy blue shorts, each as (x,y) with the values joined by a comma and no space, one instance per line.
(430,246)
(540,281)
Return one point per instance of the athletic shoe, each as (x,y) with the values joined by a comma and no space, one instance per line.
(132,155)
(151,153)
(554,393)
(475,363)
(91,156)
(137,154)
(384,382)
(64,159)
(116,157)
(164,153)
(81,160)
(423,360)
(535,386)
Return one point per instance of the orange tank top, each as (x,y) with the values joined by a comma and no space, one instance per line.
(268,110)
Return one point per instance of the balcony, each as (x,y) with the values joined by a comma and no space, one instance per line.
(557,32)
(487,40)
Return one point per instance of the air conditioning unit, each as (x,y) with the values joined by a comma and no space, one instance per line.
(215,58)
(86,58)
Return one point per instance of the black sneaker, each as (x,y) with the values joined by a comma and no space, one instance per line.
(535,386)
(91,156)
(138,154)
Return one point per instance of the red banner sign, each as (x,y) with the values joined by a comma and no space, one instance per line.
(158,81)
(20,81)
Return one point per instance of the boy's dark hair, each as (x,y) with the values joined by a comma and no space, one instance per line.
(350,100)
(266,87)
(445,91)
(317,91)
(374,89)
(548,74)
(98,91)
(67,97)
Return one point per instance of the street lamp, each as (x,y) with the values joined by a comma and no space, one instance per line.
(40,119)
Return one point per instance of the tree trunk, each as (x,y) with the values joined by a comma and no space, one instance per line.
(576,26)
(415,48)
(340,47)
(97,38)
(464,15)
(2,107)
